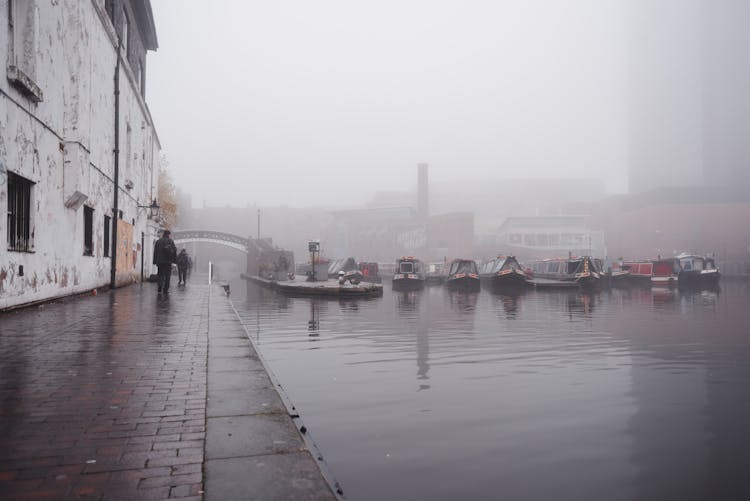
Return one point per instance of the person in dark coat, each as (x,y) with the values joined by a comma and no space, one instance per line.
(183,263)
(165,253)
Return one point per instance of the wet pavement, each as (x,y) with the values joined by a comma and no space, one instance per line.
(133,395)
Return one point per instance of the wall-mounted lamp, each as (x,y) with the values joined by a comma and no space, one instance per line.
(153,209)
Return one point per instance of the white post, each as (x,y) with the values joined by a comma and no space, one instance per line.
(210,272)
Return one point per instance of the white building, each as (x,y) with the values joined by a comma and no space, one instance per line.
(550,236)
(67,138)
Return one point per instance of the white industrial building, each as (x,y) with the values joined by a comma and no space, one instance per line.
(74,125)
(550,236)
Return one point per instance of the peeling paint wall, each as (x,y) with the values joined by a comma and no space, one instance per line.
(64,144)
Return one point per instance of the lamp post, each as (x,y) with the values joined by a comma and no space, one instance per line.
(153,209)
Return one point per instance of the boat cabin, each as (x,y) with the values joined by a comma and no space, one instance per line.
(409,265)
(691,262)
(566,267)
(463,267)
(498,264)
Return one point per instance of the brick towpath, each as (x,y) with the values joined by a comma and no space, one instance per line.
(105,397)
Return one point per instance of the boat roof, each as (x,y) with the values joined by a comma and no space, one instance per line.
(406,258)
(683,255)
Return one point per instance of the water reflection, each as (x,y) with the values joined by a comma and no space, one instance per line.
(254,297)
(349,304)
(283,302)
(462,301)
(662,298)
(509,304)
(674,299)
(313,325)
(581,303)
(706,299)
(423,343)
(163,303)
(652,402)
(255,294)
(407,301)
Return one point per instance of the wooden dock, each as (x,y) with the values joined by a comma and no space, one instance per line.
(330,288)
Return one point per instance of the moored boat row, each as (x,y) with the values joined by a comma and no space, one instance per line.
(682,270)
(506,272)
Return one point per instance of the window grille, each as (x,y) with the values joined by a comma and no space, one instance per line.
(19,232)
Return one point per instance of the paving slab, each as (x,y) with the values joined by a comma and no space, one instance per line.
(240,380)
(231,351)
(231,364)
(252,435)
(281,476)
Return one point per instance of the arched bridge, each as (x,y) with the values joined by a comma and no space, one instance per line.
(215,237)
(261,254)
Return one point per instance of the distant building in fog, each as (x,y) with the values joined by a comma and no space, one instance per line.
(386,229)
(689,100)
(550,236)
(494,200)
(387,233)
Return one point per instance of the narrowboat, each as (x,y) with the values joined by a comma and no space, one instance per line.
(656,272)
(584,271)
(697,270)
(409,274)
(463,274)
(617,276)
(370,272)
(504,272)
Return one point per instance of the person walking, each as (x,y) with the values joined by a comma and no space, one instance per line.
(183,263)
(165,253)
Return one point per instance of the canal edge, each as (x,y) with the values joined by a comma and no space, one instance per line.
(293,413)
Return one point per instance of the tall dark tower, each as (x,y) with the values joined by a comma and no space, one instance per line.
(423,191)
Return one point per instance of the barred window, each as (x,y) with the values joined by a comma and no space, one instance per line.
(88,231)
(20,237)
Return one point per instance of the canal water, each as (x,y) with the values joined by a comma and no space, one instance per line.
(440,395)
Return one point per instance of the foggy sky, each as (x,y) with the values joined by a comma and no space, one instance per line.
(322,103)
